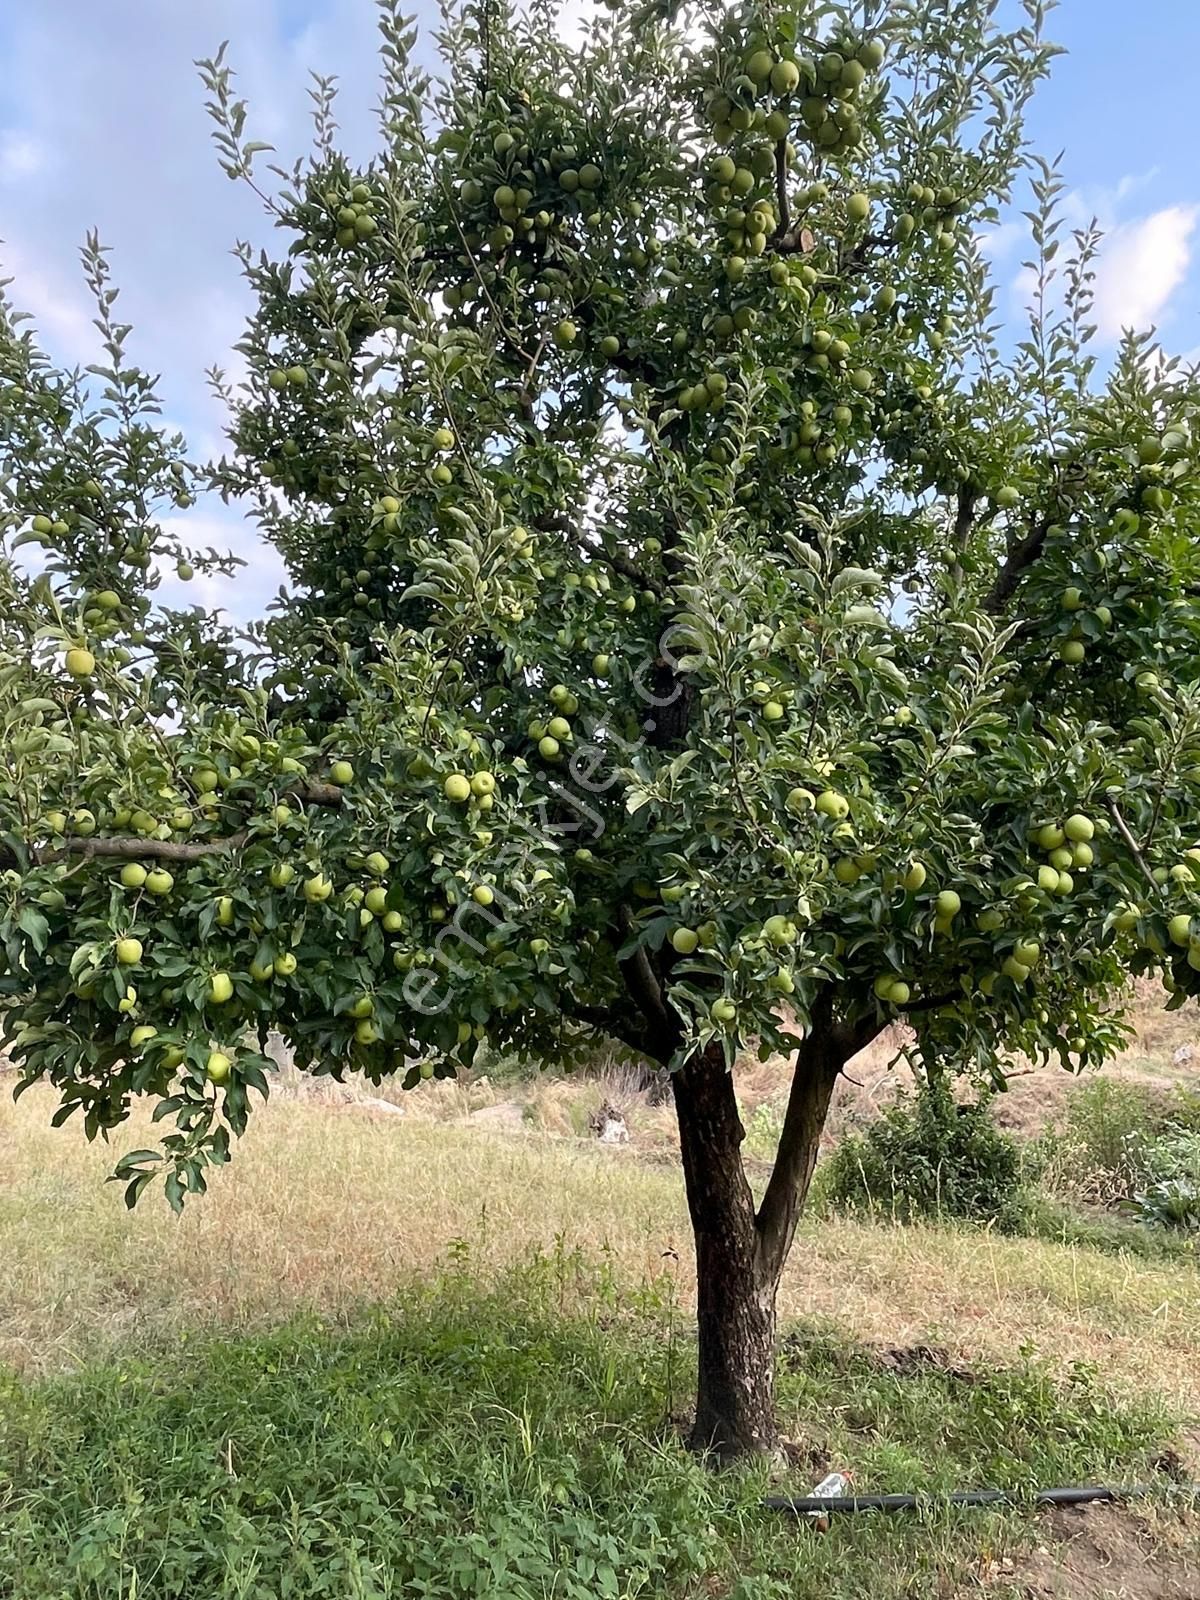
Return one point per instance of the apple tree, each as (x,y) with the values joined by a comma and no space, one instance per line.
(706,627)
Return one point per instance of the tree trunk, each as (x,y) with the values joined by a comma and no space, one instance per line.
(735,1397)
(740,1255)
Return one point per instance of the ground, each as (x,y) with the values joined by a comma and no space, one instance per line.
(919,1357)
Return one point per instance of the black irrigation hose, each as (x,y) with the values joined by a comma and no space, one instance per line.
(815,1504)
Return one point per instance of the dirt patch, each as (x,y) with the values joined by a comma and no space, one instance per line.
(1108,1552)
(507,1117)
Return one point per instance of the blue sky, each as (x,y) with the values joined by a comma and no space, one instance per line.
(102,124)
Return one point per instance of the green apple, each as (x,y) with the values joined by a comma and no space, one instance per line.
(363,1006)
(1179,929)
(724,1011)
(483,894)
(159,882)
(482,783)
(133,875)
(800,799)
(914,878)
(832,804)
(1126,917)
(901,994)
(1028,952)
(141,1035)
(80,663)
(948,904)
(225,912)
(1079,829)
(779,930)
(1051,836)
(549,747)
(317,889)
(685,941)
(858,207)
(262,972)
(1062,858)
(286,964)
(341,773)
(129,951)
(365,1032)
(457,788)
(377,864)
(1082,855)
(375,900)
(393,921)
(1014,969)
(282,874)
(218,1067)
(220,988)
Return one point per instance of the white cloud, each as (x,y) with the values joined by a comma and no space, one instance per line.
(1141,265)
(21,155)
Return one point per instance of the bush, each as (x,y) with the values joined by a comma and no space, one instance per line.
(1171,1197)
(928,1156)
(1104,1150)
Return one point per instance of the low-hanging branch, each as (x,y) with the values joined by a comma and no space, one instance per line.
(134,848)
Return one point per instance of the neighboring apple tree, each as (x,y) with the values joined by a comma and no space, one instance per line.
(703,631)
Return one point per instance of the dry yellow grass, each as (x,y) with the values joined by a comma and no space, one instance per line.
(324,1209)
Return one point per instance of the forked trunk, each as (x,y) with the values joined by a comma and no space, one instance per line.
(740,1255)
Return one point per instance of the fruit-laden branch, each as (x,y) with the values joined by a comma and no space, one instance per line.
(138,849)
(1020,558)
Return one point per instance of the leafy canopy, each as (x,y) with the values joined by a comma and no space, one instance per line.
(695,604)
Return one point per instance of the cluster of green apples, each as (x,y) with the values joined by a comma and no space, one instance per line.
(1068,849)
(929,210)
(707,394)
(1073,649)
(342,216)
(550,734)
(820,95)
(477,791)
(512,201)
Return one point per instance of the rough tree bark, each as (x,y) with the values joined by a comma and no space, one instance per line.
(741,1251)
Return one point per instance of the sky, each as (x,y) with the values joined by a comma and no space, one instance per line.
(102,125)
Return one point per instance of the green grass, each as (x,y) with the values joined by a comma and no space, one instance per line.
(464,1442)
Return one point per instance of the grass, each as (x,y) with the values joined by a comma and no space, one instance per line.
(331,1211)
(393,1356)
(465,1442)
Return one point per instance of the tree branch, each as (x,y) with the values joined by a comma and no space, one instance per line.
(140,849)
(818,1062)
(964,519)
(313,792)
(642,982)
(613,1024)
(784,220)
(1123,829)
(1020,558)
